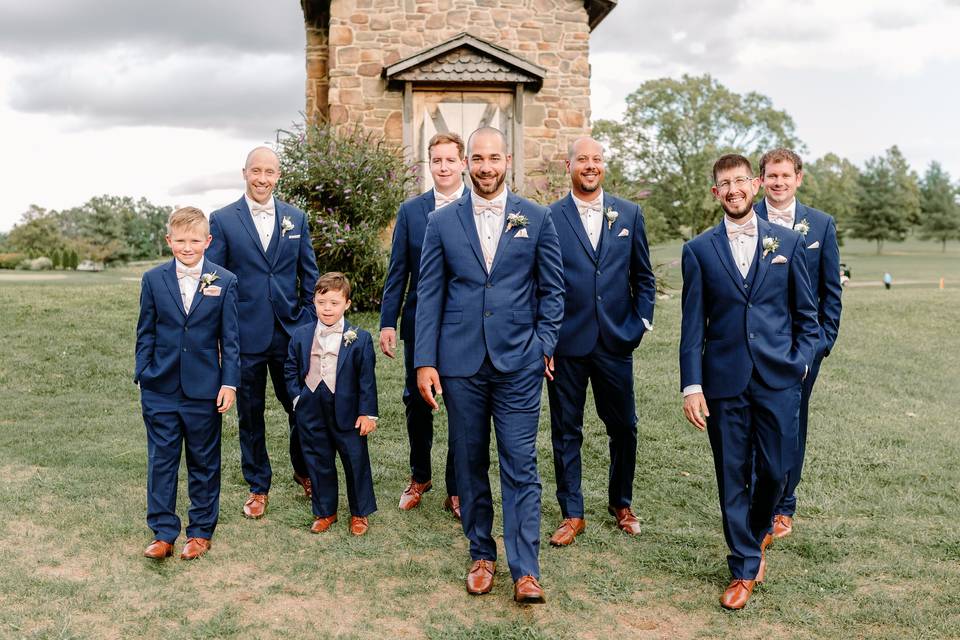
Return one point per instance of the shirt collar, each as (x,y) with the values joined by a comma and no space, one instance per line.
(336,325)
(182,266)
(729,224)
(792,207)
(583,203)
(456,196)
(251,203)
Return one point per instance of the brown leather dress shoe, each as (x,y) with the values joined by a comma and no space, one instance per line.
(255,506)
(195,548)
(322,523)
(737,594)
(158,550)
(782,526)
(412,495)
(305,483)
(358,525)
(452,504)
(527,590)
(626,521)
(480,577)
(567,532)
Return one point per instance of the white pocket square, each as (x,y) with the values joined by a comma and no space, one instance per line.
(779,260)
(294,237)
(521,234)
(623,233)
(815,245)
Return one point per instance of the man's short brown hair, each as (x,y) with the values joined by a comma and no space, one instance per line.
(188,217)
(731,161)
(333,281)
(447,138)
(781,154)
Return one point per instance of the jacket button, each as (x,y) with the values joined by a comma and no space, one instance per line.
(752,336)
(598,272)
(599,297)
(489,286)
(487,314)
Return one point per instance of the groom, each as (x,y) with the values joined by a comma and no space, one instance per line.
(490,301)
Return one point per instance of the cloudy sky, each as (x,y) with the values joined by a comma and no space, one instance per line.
(163,100)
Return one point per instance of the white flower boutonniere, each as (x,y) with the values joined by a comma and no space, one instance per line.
(349,336)
(802,227)
(770,245)
(208,279)
(611,215)
(516,221)
(285,225)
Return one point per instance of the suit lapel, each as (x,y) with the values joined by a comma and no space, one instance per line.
(344,349)
(606,229)
(512,205)
(760,208)
(275,247)
(465,213)
(246,220)
(573,219)
(306,346)
(722,245)
(173,286)
(764,230)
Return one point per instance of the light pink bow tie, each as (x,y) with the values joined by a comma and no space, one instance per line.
(330,331)
(779,215)
(442,200)
(748,230)
(480,209)
(192,272)
(595,207)
(262,208)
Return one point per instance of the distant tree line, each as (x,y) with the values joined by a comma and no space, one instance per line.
(662,151)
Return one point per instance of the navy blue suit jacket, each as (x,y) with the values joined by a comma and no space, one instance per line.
(512,315)
(609,291)
(729,330)
(404,272)
(276,283)
(356,393)
(197,351)
(823,266)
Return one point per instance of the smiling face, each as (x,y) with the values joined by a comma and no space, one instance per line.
(585,164)
(446,167)
(735,189)
(261,174)
(188,242)
(780,182)
(331,305)
(488,162)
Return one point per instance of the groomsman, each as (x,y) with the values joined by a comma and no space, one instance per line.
(490,302)
(781,171)
(610,293)
(748,337)
(266,243)
(400,290)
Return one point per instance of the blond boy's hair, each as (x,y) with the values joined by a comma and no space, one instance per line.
(188,217)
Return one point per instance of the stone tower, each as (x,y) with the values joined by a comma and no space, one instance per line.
(410,68)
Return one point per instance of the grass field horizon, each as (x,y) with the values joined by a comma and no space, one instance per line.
(875,553)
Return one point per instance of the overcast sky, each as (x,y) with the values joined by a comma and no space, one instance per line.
(163,100)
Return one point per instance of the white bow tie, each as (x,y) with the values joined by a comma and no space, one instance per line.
(262,208)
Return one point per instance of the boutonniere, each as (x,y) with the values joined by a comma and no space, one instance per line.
(770,245)
(516,220)
(208,279)
(802,227)
(611,215)
(349,336)
(285,225)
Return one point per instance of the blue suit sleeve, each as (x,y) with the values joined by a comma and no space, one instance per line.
(830,289)
(291,367)
(430,293)
(230,338)
(368,379)
(643,283)
(146,329)
(693,320)
(307,270)
(550,288)
(398,274)
(806,329)
(217,252)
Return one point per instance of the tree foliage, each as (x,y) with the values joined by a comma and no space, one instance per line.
(890,200)
(832,184)
(940,218)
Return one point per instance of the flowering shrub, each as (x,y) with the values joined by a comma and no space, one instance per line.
(350,184)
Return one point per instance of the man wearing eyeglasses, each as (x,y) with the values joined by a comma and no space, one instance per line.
(748,336)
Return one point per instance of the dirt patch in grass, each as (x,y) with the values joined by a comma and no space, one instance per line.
(19,473)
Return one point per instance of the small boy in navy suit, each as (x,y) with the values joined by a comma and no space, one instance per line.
(188,369)
(330,375)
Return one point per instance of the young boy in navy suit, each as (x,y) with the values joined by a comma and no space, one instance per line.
(188,369)
(330,376)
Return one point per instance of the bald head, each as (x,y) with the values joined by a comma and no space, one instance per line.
(261,172)
(486,134)
(585,164)
(262,154)
(584,144)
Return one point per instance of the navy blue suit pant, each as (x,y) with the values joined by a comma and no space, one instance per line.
(788,503)
(420,427)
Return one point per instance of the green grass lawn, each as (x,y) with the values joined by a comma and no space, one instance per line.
(875,553)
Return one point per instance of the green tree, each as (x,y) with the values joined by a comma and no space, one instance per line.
(37,234)
(832,184)
(672,132)
(938,202)
(100,226)
(56,258)
(890,199)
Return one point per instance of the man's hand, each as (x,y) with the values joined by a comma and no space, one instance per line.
(548,368)
(366,425)
(695,410)
(428,381)
(225,399)
(388,341)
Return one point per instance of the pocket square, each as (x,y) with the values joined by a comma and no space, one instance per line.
(815,245)
(521,234)
(623,233)
(211,291)
(779,260)
(294,237)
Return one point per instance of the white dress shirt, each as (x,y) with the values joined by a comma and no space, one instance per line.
(188,284)
(790,210)
(264,222)
(489,223)
(440,200)
(591,215)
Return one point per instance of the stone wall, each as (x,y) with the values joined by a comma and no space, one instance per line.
(344,63)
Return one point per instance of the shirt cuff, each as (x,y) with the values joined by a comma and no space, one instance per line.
(374,418)
(691,389)
(228,386)
(295,402)
(646,323)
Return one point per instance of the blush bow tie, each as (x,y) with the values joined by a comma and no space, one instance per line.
(330,331)
(748,230)
(779,215)
(443,200)
(191,272)
(480,209)
(592,207)
(262,208)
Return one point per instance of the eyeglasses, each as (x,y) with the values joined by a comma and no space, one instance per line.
(724,185)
